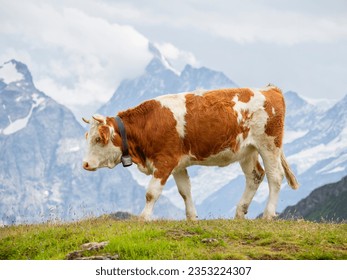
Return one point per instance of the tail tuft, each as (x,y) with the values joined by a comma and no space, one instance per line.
(289,173)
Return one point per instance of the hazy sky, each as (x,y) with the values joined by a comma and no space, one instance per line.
(79,51)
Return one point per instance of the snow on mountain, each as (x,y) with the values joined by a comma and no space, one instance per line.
(9,73)
(160,78)
(320,157)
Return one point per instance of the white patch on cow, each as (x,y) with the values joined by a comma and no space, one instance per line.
(112,132)
(221,159)
(258,122)
(184,188)
(101,156)
(176,103)
(148,169)
(153,192)
(273,111)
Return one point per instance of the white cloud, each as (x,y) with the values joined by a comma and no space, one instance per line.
(275,26)
(79,51)
(244,21)
(75,57)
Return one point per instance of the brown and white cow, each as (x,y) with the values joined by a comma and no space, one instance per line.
(215,128)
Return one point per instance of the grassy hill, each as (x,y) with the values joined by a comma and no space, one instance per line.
(206,239)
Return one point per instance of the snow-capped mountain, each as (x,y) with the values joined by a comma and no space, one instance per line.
(160,78)
(41,150)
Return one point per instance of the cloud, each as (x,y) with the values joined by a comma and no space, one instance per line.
(75,57)
(279,27)
(247,22)
(178,58)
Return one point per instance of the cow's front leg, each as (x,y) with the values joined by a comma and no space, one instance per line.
(153,192)
(184,188)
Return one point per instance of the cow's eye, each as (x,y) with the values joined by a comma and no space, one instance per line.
(97,139)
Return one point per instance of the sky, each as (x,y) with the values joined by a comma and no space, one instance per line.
(79,51)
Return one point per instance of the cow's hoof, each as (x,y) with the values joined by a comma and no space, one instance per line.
(192,218)
(142,218)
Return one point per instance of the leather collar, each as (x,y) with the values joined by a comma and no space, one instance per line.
(126,158)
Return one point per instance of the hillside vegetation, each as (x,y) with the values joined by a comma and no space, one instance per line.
(328,202)
(206,239)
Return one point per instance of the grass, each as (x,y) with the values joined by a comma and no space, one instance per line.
(131,239)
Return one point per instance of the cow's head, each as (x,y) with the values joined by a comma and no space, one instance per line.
(102,150)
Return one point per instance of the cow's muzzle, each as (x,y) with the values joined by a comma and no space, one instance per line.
(86,166)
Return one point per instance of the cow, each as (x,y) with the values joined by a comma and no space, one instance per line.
(165,135)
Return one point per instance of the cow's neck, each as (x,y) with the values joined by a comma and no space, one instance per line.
(135,137)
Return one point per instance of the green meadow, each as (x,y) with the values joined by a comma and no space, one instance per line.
(171,240)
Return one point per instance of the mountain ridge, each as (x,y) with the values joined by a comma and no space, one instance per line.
(326,203)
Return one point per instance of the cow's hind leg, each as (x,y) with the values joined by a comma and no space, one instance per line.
(254,174)
(154,190)
(274,174)
(183,184)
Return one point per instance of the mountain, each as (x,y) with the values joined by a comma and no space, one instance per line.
(41,151)
(320,156)
(326,203)
(160,78)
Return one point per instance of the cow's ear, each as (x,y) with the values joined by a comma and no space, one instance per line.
(105,135)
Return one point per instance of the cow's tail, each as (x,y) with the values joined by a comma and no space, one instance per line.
(289,173)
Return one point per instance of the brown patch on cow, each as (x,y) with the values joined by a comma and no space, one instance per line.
(104,132)
(243,94)
(86,135)
(259,168)
(258,173)
(244,123)
(149,197)
(211,122)
(275,123)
